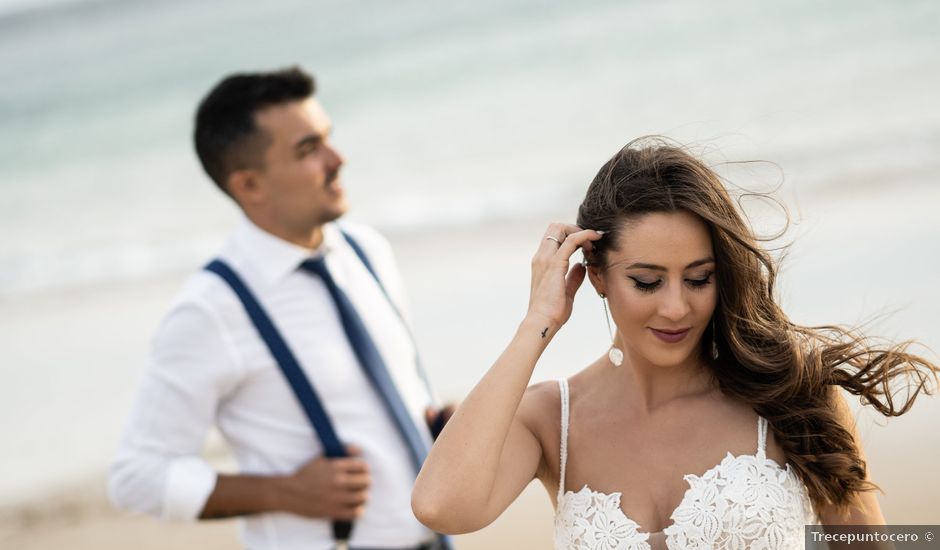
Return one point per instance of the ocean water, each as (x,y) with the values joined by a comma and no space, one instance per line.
(456,119)
(447,114)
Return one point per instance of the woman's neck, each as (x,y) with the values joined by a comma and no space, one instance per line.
(651,386)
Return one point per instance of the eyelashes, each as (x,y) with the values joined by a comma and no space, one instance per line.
(697,284)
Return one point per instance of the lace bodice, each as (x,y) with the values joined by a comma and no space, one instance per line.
(743,502)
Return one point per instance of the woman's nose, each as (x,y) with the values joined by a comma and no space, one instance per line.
(674,305)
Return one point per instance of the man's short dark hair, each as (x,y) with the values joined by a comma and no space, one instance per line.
(226,135)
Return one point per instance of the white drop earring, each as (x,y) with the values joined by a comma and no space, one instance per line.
(615,354)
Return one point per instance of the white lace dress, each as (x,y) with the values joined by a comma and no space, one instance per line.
(744,502)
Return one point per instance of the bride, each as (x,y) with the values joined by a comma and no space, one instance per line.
(712,421)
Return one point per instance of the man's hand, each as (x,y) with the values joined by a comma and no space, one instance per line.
(437,418)
(335,488)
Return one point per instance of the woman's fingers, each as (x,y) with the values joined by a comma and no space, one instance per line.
(553,248)
(545,259)
(574,279)
(554,283)
(554,237)
(581,238)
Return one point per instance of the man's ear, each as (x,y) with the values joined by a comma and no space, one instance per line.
(245,186)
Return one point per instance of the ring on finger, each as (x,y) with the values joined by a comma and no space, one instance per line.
(552,238)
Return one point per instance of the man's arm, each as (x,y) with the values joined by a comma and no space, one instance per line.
(158,469)
(322,488)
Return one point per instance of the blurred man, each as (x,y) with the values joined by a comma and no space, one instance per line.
(331,296)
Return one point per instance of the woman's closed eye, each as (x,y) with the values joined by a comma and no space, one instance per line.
(702,281)
(645,285)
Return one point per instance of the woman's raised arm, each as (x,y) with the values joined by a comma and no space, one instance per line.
(487,454)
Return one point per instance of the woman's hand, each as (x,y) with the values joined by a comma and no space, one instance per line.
(554,285)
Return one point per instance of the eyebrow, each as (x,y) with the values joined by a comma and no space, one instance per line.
(696,263)
(312,139)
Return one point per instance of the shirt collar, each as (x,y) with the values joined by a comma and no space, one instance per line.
(274,257)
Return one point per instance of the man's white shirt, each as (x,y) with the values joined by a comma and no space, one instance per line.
(208,366)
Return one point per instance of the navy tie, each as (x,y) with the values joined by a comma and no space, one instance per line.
(371,361)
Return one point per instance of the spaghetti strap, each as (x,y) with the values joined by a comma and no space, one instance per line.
(761,436)
(563,388)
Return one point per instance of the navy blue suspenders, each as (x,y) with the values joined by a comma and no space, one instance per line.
(300,384)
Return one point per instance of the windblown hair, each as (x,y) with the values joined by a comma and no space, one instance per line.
(226,136)
(787,373)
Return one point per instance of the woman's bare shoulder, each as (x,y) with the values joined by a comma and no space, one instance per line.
(538,401)
(540,412)
(541,404)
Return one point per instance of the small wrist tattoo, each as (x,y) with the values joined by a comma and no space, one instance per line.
(544,332)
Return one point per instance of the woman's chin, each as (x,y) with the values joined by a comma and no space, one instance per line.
(669,358)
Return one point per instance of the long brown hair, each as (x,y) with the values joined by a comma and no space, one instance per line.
(785,372)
